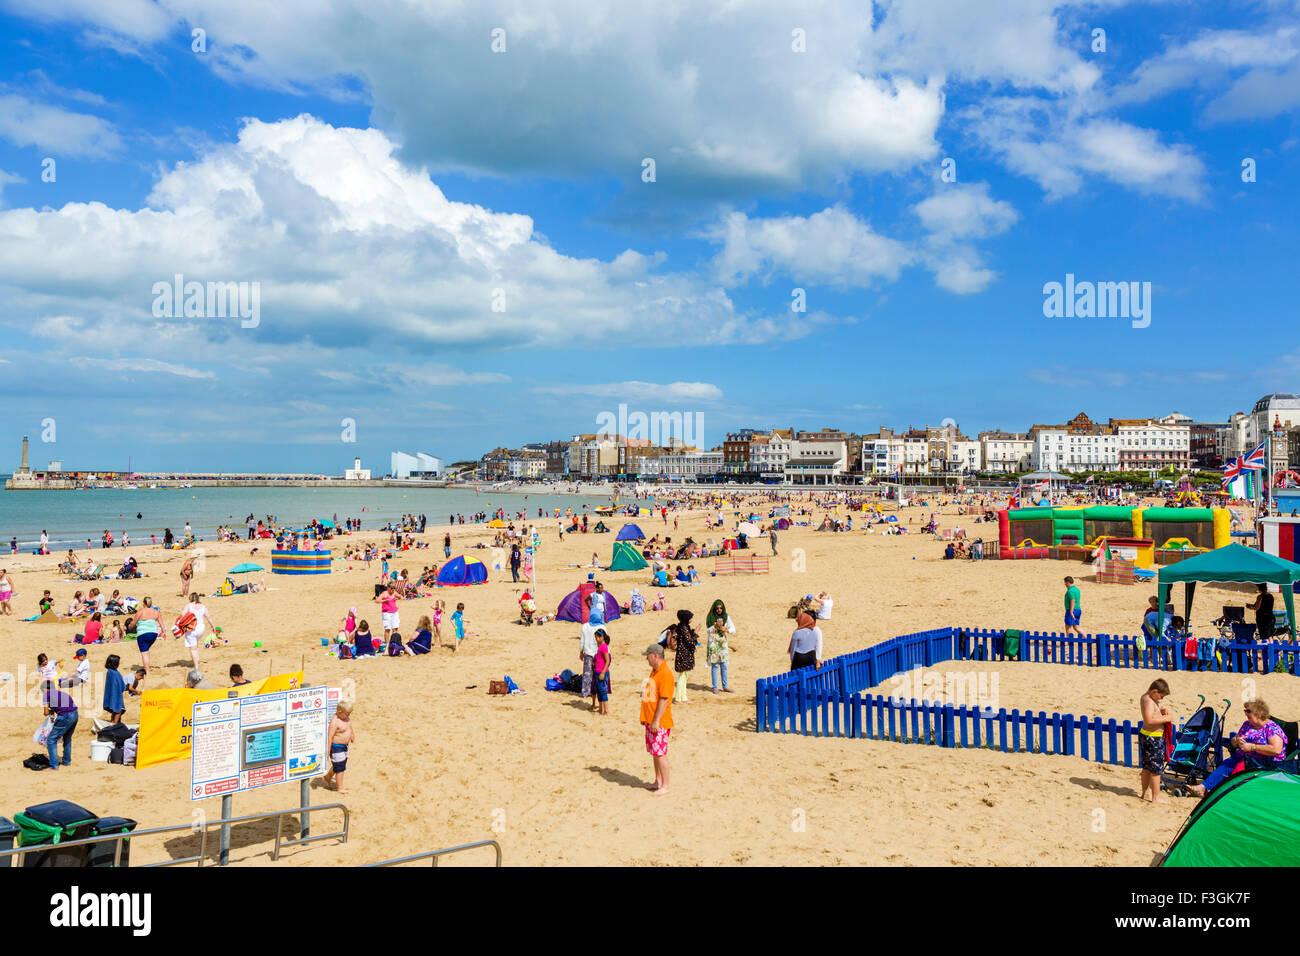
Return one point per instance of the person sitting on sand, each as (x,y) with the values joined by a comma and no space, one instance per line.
(94,628)
(1260,744)
(422,642)
(194,680)
(237,678)
(363,644)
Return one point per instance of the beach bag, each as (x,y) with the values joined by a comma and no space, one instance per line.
(116,734)
(511,686)
(129,749)
(43,732)
(1011,644)
(498,688)
(554,683)
(184,624)
(345,652)
(1140,642)
(1190,648)
(37,762)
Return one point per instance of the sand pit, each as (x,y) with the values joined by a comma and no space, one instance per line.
(1086,691)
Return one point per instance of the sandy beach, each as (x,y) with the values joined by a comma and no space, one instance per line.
(438,762)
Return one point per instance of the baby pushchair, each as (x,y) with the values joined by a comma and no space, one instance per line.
(1195,751)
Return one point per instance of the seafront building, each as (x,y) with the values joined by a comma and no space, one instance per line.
(1172,443)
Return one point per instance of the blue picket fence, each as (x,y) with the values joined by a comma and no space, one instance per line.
(828,701)
(1107,650)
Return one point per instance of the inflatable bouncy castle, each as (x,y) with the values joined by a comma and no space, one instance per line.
(1170,533)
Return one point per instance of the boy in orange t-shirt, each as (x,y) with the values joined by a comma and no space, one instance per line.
(657,714)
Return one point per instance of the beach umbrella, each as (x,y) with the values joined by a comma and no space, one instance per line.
(327,523)
(496,523)
(245,568)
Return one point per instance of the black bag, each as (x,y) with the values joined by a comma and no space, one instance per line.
(117,754)
(37,762)
(116,734)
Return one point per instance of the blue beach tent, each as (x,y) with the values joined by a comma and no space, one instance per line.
(457,572)
(630,532)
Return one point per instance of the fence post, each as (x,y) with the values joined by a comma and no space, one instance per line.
(1103,650)
(760,709)
(844,680)
(802,725)
(948,736)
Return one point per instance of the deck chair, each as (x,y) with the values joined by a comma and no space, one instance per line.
(94,574)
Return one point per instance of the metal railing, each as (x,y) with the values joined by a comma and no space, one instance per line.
(434,854)
(118,838)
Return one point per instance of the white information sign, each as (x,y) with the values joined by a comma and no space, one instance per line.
(249,742)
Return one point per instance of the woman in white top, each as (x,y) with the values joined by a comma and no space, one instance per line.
(203,621)
(6,592)
(824,605)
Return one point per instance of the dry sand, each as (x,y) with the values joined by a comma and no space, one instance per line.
(438,762)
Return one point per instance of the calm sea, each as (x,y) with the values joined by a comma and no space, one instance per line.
(70,517)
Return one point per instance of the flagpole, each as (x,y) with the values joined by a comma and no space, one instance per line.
(1268,472)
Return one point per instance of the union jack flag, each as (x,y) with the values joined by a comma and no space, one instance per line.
(1015,499)
(1232,471)
(1255,460)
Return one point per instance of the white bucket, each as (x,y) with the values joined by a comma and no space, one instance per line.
(99,750)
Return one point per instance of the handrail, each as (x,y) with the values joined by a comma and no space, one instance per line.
(434,854)
(278,815)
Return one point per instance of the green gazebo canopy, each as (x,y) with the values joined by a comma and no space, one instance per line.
(1237,563)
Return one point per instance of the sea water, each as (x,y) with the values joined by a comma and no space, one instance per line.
(70,517)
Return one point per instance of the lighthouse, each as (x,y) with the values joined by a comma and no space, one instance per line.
(23,470)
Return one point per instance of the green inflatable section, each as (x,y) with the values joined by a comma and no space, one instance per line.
(1177,514)
(1031,514)
(1251,819)
(1107,513)
(1067,523)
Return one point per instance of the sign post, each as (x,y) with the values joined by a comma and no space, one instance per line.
(244,743)
(227,813)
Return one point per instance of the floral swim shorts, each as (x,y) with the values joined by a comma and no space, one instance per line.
(1152,753)
(656,744)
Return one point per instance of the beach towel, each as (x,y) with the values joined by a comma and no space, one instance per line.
(184,624)
(113,692)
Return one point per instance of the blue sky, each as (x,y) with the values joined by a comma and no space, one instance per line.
(381,173)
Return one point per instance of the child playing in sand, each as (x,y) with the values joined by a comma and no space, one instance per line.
(439,608)
(458,621)
(1151,738)
(340,736)
(48,670)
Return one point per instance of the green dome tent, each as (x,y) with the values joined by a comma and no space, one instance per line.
(626,557)
(1251,819)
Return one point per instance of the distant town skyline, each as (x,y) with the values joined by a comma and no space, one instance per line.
(228,247)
